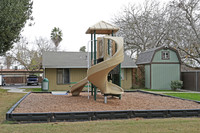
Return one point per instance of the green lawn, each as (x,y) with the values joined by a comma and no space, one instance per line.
(2,90)
(190,96)
(171,125)
(178,125)
(7,100)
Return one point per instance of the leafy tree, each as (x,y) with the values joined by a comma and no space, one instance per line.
(13,16)
(82,49)
(56,36)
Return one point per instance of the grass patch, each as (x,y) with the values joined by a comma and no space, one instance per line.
(171,125)
(178,125)
(190,96)
(3,90)
(7,100)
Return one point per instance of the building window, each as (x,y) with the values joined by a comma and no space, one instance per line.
(63,76)
(165,55)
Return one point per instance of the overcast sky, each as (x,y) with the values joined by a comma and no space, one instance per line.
(73,17)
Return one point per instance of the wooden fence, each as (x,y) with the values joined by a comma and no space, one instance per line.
(191,80)
(19,79)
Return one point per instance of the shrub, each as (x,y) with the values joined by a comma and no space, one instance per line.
(176,84)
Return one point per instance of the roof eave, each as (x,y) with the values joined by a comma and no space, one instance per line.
(102,27)
(101,31)
(129,66)
(143,63)
(65,67)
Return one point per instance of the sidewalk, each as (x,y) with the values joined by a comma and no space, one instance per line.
(180,91)
(16,88)
(13,89)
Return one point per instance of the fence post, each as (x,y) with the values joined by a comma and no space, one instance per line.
(196,80)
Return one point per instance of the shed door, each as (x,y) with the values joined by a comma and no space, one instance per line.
(163,74)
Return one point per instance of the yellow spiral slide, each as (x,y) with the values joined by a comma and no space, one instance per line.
(98,73)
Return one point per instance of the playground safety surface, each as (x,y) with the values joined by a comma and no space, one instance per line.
(46,102)
(68,107)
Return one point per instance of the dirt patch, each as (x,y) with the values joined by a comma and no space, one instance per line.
(46,102)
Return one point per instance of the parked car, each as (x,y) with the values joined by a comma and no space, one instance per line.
(32,79)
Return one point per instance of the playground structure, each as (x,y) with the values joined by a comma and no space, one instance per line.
(106,56)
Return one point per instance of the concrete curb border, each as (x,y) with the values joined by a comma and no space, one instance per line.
(99,115)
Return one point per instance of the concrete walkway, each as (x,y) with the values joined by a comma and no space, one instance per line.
(180,91)
(16,88)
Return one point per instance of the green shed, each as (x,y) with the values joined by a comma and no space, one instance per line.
(162,65)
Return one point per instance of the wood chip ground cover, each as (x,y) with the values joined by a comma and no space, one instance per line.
(46,102)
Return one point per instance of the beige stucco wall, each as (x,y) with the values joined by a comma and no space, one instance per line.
(77,75)
(126,82)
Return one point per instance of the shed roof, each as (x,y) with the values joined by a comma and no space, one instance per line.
(74,60)
(147,56)
(102,28)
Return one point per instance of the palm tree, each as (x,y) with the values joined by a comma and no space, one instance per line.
(56,36)
(82,49)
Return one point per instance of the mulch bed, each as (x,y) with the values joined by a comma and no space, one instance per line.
(46,102)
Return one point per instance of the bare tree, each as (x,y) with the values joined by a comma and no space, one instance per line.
(152,24)
(185,35)
(8,60)
(31,59)
(22,54)
(43,44)
(142,26)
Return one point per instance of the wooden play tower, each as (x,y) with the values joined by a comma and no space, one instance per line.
(103,28)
